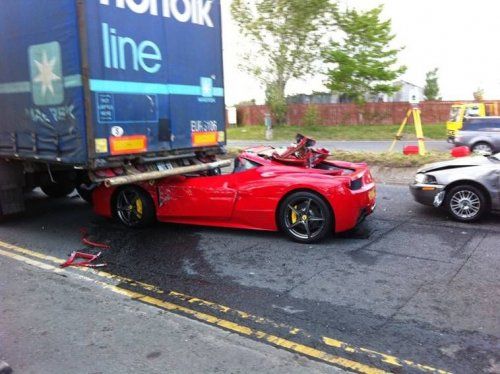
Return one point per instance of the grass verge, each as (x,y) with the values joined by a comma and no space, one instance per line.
(393,160)
(351,132)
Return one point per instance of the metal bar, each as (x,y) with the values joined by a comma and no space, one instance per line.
(400,131)
(144,159)
(85,73)
(129,179)
(419,131)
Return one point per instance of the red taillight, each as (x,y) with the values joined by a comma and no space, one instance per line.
(367,178)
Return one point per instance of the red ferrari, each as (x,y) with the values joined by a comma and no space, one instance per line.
(296,190)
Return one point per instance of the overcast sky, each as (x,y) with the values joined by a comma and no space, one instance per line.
(460,37)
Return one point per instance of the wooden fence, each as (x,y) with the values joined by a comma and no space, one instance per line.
(433,112)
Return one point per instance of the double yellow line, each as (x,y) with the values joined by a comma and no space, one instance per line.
(19,254)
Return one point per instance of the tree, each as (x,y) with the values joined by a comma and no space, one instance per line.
(478,94)
(362,63)
(287,35)
(431,89)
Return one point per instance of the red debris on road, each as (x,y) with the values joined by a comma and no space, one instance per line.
(87,258)
(90,243)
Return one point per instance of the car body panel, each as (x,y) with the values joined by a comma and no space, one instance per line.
(425,193)
(210,197)
(250,199)
(478,170)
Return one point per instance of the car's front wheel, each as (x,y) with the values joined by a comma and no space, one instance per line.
(482,148)
(133,207)
(466,203)
(305,217)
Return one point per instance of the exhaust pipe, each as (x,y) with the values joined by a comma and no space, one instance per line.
(143,177)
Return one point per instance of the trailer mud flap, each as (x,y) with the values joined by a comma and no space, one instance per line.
(11,188)
(11,201)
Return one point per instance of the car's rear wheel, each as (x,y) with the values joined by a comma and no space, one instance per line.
(133,207)
(466,203)
(482,148)
(305,217)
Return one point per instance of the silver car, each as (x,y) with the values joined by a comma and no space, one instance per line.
(481,135)
(466,187)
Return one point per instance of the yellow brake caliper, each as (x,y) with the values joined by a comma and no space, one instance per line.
(295,217)
(139,207)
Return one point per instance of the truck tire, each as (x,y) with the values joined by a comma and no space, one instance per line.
(58,190)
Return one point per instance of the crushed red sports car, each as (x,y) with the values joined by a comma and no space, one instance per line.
(296,190)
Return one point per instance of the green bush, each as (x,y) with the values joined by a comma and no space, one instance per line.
(311,116)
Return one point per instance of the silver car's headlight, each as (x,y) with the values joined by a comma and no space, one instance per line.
(422,178)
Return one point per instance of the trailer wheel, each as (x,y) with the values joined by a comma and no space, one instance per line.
(58,190)
(133,207)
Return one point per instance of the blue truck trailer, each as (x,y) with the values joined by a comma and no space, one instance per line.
(93,89)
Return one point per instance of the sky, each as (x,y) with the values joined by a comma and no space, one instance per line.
(460,37)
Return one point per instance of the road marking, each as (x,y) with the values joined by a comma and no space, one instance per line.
(102,274)
(388,359)
(212,320)
(382,357)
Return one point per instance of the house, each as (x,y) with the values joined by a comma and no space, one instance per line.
(406,89)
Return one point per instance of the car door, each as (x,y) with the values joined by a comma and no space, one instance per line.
(200,197)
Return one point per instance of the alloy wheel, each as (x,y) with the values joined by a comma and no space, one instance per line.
(483,148)
(129,207)
(305,218)
(465,204)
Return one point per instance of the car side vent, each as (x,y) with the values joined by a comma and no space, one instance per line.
(357,184)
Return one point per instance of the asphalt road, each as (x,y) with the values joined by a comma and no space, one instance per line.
(354,145)
(408,291)
(59,323)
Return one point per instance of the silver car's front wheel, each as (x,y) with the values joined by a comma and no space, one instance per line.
(466,203)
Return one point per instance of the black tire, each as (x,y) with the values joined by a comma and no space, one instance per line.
(133,207)
(466,203)
(58,190)
(85,191)
(482,147)
(305,217)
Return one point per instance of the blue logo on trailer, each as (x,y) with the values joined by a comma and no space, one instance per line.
(46,74)
(207,87)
